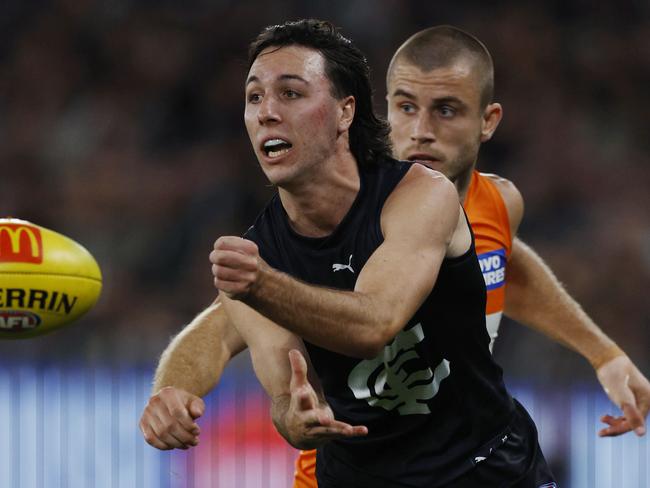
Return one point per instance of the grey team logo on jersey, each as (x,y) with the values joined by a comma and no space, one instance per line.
(341,267)
(383,382)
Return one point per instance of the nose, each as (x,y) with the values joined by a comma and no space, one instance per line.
(268,112)
(422,129)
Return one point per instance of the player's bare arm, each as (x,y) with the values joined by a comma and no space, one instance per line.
(421,225)
(537,299)
(298,406)
(188,369)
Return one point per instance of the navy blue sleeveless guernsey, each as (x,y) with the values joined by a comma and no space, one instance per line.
(434,400)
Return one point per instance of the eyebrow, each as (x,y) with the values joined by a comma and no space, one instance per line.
(254,78)
(436,101)
(401,93)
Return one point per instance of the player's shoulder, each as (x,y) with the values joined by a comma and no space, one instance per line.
(511,196)
(502,184)
(421,179)
(424,202)
(506,188)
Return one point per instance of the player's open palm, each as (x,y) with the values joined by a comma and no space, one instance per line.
(168,420)
(310,421)
(630,390)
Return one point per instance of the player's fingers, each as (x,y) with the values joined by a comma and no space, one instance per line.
(169,430)
(617,426)
(231,288)
(326,433)
(151,438)
(304,399)
(233,274)
(164,436)
(196,408)
(178,404)
(345,428)
(298,369)
(170,406)
(178,439)
(634,418)
(234,259)
(181,414)
(234,243)
(150,423)
(641,390)
(326,419)
(309,419)
(359,430)
(644,407)
(336,431)
(608,432)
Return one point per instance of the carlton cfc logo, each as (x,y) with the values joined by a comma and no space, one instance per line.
(20,243)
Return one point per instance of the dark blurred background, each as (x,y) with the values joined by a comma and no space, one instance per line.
(121,126)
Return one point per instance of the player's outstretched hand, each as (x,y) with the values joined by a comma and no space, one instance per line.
(168,420)
(310,422)
(630,390)
(235,265)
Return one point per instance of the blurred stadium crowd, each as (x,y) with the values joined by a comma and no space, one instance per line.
(122,127)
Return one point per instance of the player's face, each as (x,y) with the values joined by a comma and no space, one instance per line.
(291,116)
(435,116)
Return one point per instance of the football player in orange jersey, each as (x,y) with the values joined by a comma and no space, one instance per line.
(440,107)
(440,84)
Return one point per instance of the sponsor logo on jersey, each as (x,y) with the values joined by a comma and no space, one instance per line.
(340,267)
(493,267)
(390,383)
(18,320)
(20,243)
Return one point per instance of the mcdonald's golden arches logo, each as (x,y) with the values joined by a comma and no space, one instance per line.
(20,243)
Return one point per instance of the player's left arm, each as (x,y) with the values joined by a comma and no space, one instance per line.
(418,220)
(299,409)
(537,299)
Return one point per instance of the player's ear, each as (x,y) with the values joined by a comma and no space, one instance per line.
(491,117)
(347,107)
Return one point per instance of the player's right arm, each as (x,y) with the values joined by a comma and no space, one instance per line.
(188,369)
(537,299)
(422,222)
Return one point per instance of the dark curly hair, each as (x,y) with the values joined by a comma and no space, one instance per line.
(346,68)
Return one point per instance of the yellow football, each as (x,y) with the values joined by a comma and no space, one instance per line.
(47,280)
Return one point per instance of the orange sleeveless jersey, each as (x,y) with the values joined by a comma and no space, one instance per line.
(488,217)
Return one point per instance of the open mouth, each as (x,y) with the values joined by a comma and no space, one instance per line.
(274,148)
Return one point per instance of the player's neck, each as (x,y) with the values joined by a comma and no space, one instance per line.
(316,207)
(463,181)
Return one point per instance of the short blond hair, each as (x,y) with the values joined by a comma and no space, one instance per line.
(440,47)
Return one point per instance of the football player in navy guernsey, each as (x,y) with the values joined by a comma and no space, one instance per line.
(362,270)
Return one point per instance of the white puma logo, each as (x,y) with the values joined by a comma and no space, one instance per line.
(341,267)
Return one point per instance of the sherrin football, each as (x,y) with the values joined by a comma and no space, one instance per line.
(47,280)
